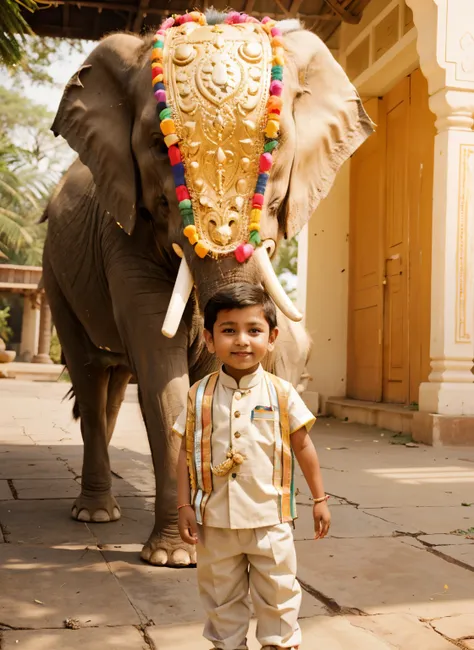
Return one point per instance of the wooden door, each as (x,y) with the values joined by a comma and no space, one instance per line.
(390,248)
(364,376)
(396,106)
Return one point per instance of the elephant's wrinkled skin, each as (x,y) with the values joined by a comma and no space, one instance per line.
(109,289)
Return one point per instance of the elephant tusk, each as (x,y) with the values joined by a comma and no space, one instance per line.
(272,284)
(179,298)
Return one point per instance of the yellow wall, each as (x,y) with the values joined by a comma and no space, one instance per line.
(327,292)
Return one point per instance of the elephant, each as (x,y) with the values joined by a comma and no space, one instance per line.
(125,286)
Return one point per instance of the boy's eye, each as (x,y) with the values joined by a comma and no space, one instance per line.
(255,330)
(228,330)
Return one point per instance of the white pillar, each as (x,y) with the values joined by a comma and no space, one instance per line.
(45,330)
(29,328)
(446,49)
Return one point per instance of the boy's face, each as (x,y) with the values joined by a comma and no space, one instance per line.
(241,338)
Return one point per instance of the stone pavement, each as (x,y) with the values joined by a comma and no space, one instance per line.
(395,573)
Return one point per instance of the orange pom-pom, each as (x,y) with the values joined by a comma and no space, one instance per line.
(168,127)
(274,102)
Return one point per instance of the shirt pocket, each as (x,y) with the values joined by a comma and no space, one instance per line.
(263,413)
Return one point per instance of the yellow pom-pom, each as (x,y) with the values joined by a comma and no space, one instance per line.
(159,77)
(274,116)
(269,26)
(201,249)
(272,129)
(278,60)
(255,214)
(156,64)
(278,51)
(167,127)
(157,54)
(171,139)
(254,226)
(189,230)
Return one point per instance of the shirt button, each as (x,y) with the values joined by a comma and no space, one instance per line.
(234,475)
(237,434)
(237,414)
(237,395)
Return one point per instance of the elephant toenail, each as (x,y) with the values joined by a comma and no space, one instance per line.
(84,515)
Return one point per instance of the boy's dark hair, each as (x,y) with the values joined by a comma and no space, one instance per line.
(239,296)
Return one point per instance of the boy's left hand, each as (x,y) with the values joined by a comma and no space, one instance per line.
(322,520)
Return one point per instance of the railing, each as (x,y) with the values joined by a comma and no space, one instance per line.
(17,278)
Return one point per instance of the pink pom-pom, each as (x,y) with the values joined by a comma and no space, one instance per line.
(186,18)
(257,200)
(243,252)
(161,32)
(243,18)
(266,20)
(160,95)
(232,18)
(276,31)
(169,22)
(266,162)
(276,87)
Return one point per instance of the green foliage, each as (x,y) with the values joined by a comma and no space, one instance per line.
(30,166)
(55,348)
(5,330)
(286,264)
(13,28)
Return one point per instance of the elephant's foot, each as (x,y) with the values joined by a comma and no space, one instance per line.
(168,550)
(98,509)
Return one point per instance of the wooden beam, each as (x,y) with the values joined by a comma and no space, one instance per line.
(343,13)
(282,7)
(249,5)
(294,7)
(139,18)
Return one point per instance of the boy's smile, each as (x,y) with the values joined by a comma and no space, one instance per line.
(240,339)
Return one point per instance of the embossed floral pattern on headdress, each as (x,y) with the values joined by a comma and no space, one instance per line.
(219,94)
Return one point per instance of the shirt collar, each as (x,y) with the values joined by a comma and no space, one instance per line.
(247,381)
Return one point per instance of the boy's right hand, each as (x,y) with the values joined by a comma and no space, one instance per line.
(187,525)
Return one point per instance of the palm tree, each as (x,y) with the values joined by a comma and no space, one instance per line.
(13,28)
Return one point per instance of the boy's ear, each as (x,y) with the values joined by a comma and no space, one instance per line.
(272,339)
(209,341)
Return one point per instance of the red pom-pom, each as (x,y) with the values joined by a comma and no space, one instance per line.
(174,155)
(182,193)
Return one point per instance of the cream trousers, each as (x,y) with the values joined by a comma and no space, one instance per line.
(230,563)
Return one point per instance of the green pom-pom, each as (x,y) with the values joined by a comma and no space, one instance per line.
(277,72)
(184,205)
(270,146)
(159,44)
(255,238)
(188,219)
(165,114)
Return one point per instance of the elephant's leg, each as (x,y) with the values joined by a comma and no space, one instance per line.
(90,383)
(160,406)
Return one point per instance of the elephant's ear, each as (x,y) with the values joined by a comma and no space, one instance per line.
(95,117)
(330,124)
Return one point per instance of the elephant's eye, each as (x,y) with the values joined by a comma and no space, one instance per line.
(158,147)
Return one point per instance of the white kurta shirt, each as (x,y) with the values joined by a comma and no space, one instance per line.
(246,497)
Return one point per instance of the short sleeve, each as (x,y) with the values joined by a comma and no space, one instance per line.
(179,426)
(299,413)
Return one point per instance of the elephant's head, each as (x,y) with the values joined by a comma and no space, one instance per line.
(217,84)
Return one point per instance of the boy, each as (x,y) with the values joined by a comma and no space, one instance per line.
(235,477)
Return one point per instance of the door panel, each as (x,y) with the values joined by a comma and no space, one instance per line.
(364,373)
(395,331)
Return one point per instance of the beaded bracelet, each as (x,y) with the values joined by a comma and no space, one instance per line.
(185,505)
(321,499)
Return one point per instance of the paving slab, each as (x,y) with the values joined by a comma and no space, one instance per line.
(460,553)
(48,523)
(445,540)
(109,638)
(423,519)
(382,576)
(330,633)
(455,627)
(33,469)
(5,492)
(402,632)
(346,521)
(68,583)
(46,488)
